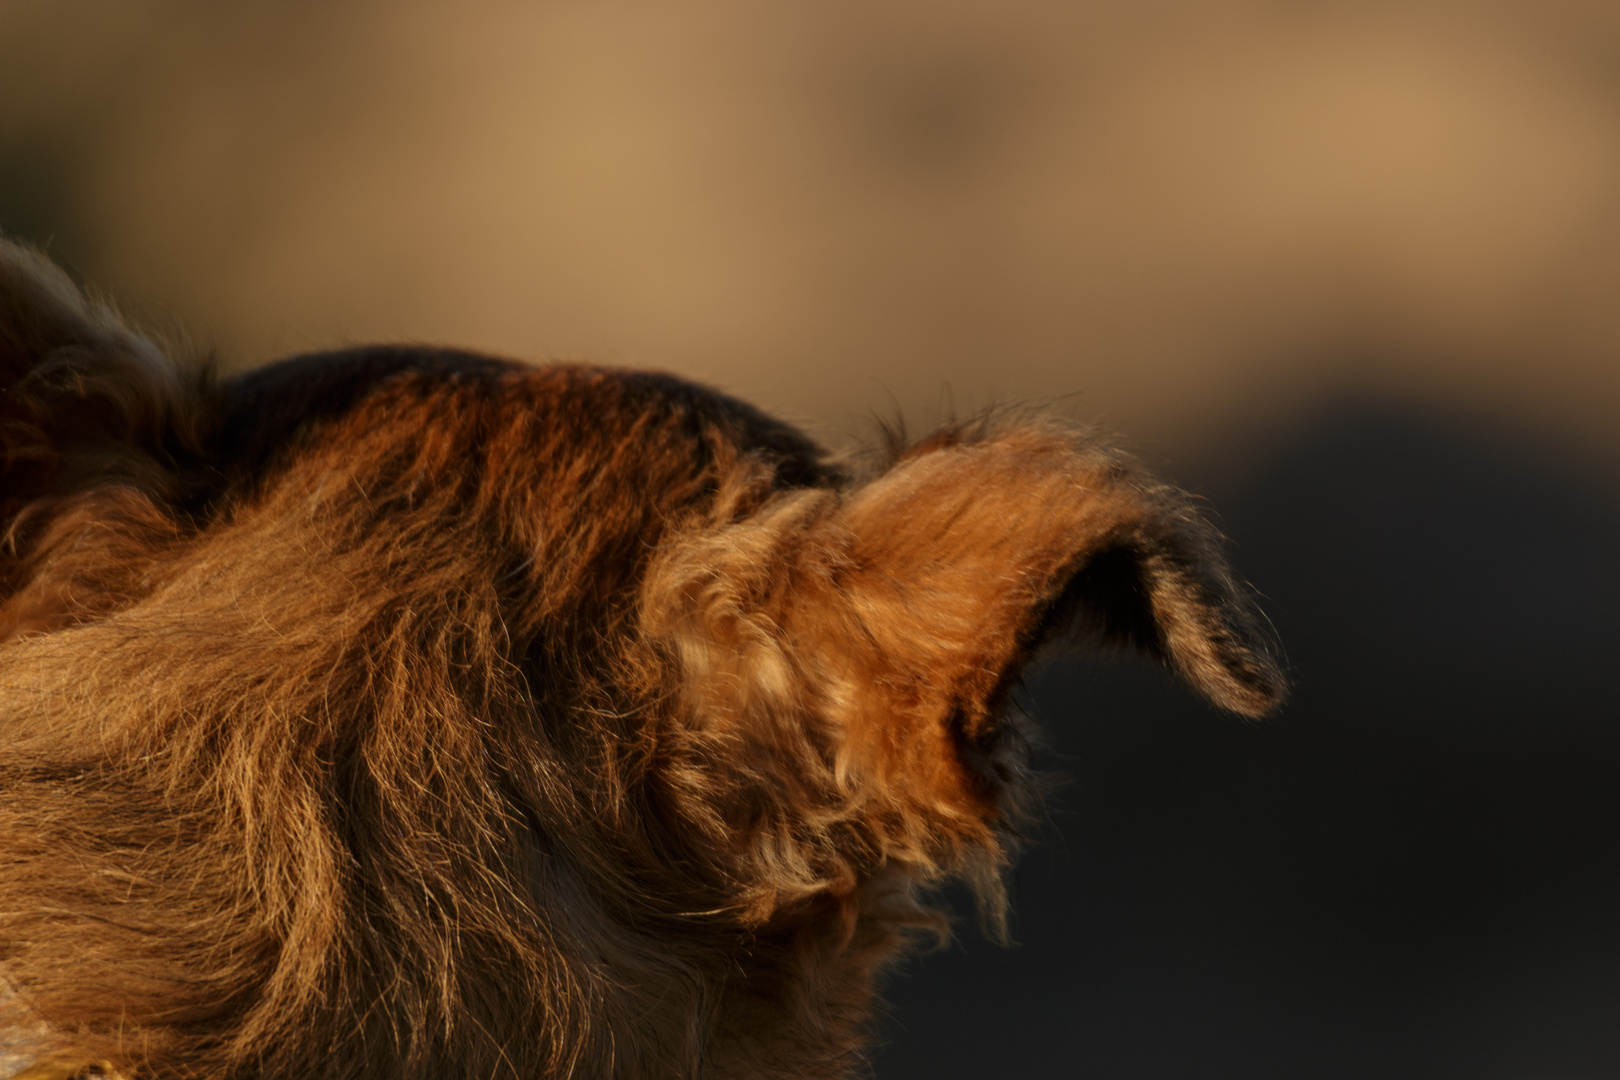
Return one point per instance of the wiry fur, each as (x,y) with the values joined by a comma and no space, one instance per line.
(406,713)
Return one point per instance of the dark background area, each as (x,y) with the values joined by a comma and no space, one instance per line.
(1412,871)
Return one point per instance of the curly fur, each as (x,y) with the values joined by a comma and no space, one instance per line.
(406,713)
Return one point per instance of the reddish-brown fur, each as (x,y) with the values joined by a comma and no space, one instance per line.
(406,713)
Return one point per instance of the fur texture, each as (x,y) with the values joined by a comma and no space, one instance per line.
(406,713)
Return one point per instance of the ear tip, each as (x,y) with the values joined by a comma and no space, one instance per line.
(1245,681)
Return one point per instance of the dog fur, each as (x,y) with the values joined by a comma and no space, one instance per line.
(407,713)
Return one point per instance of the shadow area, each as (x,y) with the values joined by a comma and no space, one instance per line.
(1414,871)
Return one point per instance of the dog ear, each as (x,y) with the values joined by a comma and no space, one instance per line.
(970,553)
(89,411)
(927,590)
(80,393)
(901,612)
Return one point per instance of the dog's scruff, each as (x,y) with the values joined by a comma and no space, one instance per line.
(406,713)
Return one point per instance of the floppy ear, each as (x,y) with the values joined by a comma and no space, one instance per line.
(85,405)
(970,553)
(861,645)
(923,595)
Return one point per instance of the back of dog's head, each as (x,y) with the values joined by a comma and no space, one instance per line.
(406,712)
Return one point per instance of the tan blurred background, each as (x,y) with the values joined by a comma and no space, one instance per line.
(1187,220)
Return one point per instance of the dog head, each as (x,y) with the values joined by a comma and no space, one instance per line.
(406,711)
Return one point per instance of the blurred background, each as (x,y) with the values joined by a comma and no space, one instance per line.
(1350,269)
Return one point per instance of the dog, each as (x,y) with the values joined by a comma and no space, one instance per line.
(404,712)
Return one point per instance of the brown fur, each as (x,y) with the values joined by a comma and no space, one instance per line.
(406,713)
